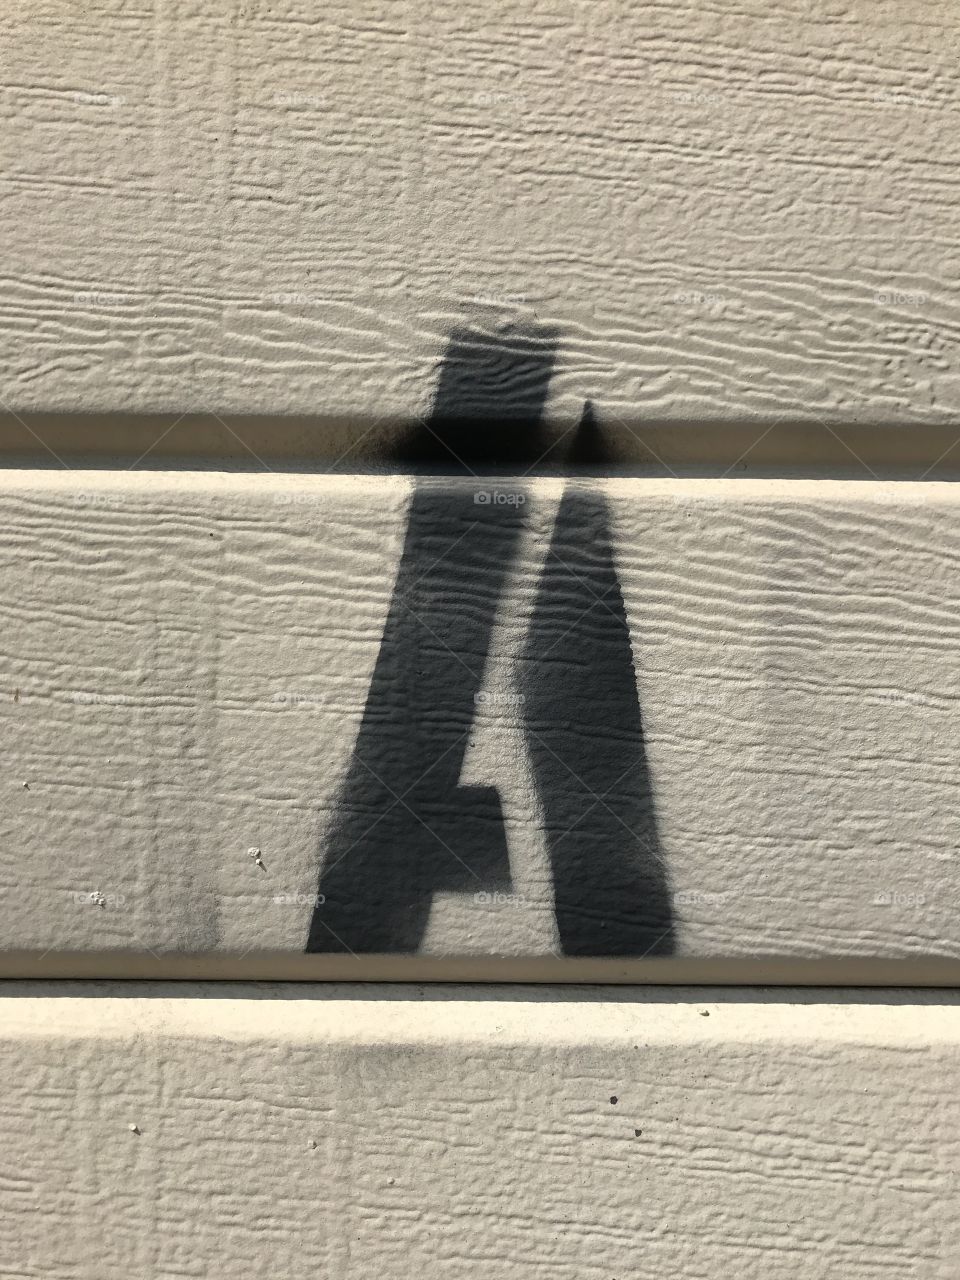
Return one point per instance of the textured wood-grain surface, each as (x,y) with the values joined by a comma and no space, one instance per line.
(726,211)
(631,718)
(243,1132)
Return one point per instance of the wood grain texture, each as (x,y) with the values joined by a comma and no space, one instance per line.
(726,212)
(197,665)
(304,1132)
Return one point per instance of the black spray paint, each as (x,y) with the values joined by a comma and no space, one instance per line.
(405,828)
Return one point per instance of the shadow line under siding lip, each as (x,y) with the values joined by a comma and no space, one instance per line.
(275,966)
(632,446)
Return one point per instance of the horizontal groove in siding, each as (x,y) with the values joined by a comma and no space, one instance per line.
(718,972)
(764,447)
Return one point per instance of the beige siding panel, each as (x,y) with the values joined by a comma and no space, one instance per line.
(344,1132)
(650,722)
(726,211)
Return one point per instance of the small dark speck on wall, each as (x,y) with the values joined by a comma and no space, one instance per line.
(613,1101)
